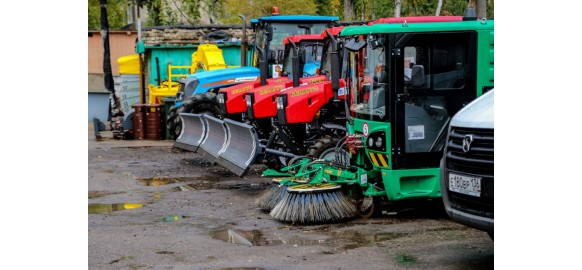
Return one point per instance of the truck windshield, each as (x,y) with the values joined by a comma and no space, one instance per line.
(282,30)
(260,40)
(369,80)
(313,52)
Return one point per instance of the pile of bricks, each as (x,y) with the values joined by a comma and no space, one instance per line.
(190,35)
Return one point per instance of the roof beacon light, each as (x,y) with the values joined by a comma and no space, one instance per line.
(275,11)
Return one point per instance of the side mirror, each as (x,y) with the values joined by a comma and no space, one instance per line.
(314,53)
(271,57)
(417,76)
(355,45)
(280,56)
(269,33)
(302,55)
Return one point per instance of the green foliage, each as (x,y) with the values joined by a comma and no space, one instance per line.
(164,12)
(259,8)
(155,14)
(116,14)
(191,9)
(330,7)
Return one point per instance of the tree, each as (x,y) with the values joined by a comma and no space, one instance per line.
(259,8)
(397,6)
(439,6)
(481,8)
(116,14)
(348,10)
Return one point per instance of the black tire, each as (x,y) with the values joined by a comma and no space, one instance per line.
(198,103)
(372,211)
(321,145)
(172,115)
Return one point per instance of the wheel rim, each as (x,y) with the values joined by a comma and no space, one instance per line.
(366,213)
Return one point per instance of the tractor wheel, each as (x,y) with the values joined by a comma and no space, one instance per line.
(198,103)
(372,210)
(172,128)
(277,162)
(323,147)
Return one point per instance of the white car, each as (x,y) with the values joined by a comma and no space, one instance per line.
(467,165)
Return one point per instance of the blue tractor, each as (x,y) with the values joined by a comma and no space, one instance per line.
(197,92)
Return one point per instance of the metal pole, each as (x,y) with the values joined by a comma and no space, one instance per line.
(107,73)
(243,44)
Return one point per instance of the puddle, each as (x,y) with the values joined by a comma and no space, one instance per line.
(231,236)
(123,258)
(160,181)
(344,240)
(406,259)
(239,268)
(97,194)
(172,218)
(208,185)
(98,208)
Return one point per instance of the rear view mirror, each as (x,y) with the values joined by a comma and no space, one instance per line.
(271,57)
(280,56)
(269,33)
(355,45)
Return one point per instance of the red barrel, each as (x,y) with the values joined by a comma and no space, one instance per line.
(139,121)
(153,121)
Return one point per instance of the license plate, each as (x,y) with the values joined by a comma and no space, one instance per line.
(467,185)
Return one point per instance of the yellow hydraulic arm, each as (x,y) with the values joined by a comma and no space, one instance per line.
(207,57)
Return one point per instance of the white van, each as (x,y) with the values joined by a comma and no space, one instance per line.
(467,165)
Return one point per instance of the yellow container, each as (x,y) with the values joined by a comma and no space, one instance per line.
(129,64)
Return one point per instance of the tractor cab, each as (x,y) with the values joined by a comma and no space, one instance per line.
(270,33)
(305,50)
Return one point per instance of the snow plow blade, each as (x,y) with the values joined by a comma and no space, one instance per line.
(216,137)
(193,132)
(241,149)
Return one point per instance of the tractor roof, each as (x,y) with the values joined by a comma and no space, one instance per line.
(287,18)
(334,31)
(380,28)
(417,19)
(299,38)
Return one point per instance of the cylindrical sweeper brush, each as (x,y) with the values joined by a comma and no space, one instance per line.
(314,203)
(272,195)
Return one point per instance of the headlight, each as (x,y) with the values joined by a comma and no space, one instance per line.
(370,142)
(279,103)
(379,142)
(179,96)
(220,98)
(249,103)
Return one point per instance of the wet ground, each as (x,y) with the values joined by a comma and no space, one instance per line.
(152,206)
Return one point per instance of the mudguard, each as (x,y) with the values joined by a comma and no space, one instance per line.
(304,102)
(263,100)
(235,95)
(193,132)
(264,97)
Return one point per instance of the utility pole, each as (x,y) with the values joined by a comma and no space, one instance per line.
(107,73)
